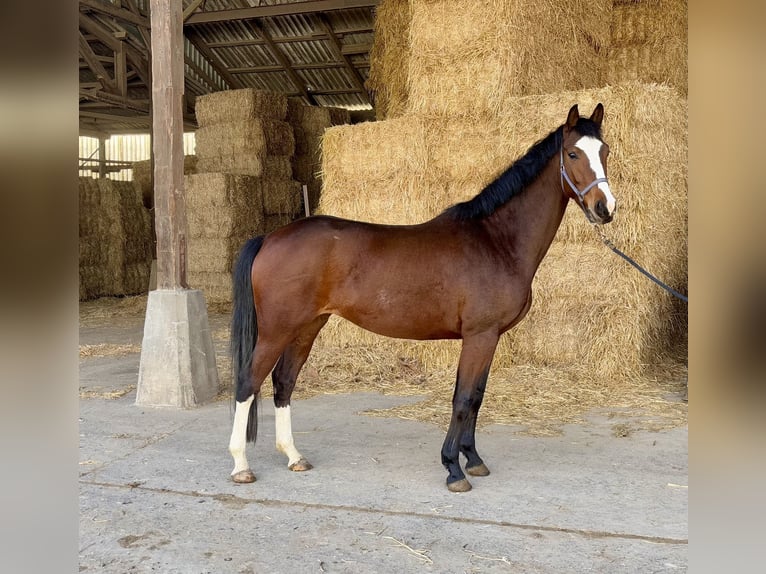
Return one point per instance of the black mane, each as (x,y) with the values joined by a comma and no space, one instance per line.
(519,175)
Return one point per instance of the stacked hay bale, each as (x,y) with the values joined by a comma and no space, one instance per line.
(467,120)
(223,211)
(309,124)
(115,239)
(92,231)
(649,43)
(243,186)
(387,81)
(471,61)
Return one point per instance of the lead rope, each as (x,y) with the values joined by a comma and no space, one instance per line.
(611,246)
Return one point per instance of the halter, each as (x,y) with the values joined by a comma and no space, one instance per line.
(580,194)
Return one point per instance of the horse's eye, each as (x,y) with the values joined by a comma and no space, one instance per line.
(572,155)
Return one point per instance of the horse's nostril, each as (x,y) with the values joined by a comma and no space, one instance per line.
(601,209)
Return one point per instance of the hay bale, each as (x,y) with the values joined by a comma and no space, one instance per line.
(239,105)
(281,196)
(223,210)
(223,205)
(115,239)
(216,285)
(465,63)
(390,52)
(269,167)
(408,169)
(649,43)
(256,136)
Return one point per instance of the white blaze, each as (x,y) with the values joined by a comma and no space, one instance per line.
(591,147)
(284,432)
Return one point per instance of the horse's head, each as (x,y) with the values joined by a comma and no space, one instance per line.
(583,165)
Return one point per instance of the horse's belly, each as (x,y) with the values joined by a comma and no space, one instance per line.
(402,322)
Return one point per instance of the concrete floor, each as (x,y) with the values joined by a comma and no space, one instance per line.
(155,494)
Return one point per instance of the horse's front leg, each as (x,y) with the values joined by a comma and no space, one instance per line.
(473,370)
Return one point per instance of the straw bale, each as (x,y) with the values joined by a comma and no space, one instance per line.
(463,62)
(270,167)
(388,58)
(239,105)
(649,43)
(281,196)
(214,254)
(408,169)
(223,205)
(216,285)
(257,136)
(115,239)
(339,116)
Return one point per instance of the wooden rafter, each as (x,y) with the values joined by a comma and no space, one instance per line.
(277,10)
(198,42)
(280,57)
(95,65)
(116,12)
(336,48)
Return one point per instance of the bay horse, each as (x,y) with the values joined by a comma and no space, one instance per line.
(465,274)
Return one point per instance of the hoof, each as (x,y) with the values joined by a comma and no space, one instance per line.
(300,465)
(478,470)
(243,476)
(461,485)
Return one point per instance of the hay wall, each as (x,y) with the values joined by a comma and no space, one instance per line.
(471,61)
(408,169)
(244,183)
(649,43)
(115,239)
(428,57)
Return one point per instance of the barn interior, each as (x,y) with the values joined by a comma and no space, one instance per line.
(390,111)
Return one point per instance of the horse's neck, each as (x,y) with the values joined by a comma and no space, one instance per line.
(525,226)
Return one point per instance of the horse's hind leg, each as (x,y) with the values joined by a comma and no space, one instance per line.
(264,357)
(473,370)
(283,377)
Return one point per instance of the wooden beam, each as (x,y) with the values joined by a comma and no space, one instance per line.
(290,39)
(115,100)
(278,10)
(198,42)
(167,142)
(94,63)
(354,49)
(336,48)
(104,36)
(266,69)
(280,57)
(191,8)
(121,71)
(114,11)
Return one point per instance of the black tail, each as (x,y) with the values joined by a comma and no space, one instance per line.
(244,331)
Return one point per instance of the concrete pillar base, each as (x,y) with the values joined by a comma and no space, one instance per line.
(177,355)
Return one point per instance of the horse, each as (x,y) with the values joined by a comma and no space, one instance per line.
(465,274)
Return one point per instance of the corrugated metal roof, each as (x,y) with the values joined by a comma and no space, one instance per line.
(319,50)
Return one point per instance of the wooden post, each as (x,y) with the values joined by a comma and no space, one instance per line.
(178,366)
(101,157)
(167,142)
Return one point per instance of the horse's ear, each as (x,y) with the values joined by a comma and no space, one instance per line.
(574,115)
(598,115)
